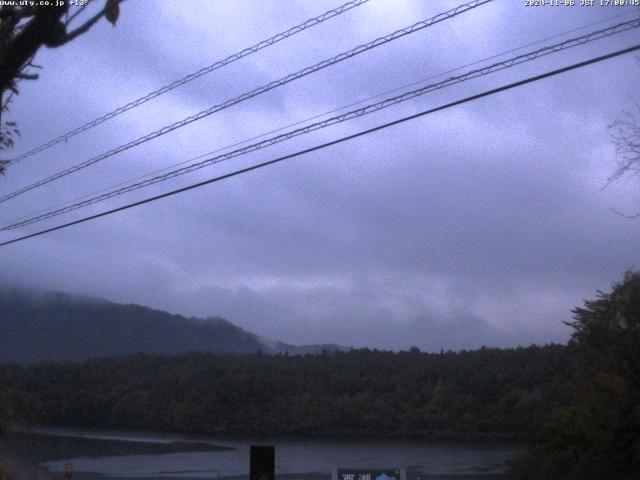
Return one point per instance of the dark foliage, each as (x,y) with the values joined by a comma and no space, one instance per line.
(25,27)
(487,393)
(4,414)
(598,436)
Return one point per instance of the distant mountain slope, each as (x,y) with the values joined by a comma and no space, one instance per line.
(38,326)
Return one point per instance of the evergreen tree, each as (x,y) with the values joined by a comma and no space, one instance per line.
(598,437)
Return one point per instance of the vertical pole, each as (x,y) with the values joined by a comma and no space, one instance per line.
(263,462)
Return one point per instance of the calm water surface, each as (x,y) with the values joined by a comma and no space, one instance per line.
(292,456)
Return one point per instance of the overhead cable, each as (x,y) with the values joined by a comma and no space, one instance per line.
(265,88)
(333,142)
(495,67)
(319,115)
(192,76)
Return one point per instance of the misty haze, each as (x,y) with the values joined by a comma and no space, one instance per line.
(391,239)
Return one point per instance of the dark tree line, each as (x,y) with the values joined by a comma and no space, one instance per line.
(487,393)
(597,436)
(581,400)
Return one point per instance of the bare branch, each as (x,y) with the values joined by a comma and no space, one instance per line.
(27,76)
(637,215)
(42,29)
(91,22)
(83,28)
(78,12)
(23,31)
(626,138)
(6,102)
(625,135)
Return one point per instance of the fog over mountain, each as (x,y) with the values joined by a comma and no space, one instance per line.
(39,326)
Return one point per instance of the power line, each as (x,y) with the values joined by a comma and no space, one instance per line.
(334,142)
(338,119)
(265,88)
(56,207)
(526,57)
(203,71)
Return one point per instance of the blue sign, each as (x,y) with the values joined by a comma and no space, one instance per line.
(368,474)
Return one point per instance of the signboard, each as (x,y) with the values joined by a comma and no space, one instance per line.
(369,474)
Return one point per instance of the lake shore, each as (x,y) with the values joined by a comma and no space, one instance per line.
(300,476)
(36,447)
(143,456)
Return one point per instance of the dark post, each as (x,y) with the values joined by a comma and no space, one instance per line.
(68,470)
(263,462)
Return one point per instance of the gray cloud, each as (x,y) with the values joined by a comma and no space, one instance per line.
(483,224)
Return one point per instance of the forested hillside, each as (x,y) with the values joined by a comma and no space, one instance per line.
(487,393)
(38,326)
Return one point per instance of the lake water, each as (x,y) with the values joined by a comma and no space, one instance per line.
(292,456)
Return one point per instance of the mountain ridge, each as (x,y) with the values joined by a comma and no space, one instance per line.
(56,326)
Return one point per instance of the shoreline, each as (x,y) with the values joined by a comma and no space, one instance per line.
(213,438)
(39,455)
(43,473)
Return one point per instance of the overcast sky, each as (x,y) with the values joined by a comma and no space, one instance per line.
(484,224)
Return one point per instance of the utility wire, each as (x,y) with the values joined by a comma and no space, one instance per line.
(265,88)
(334,142)
(314,117)
(203,71)
(374,107)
